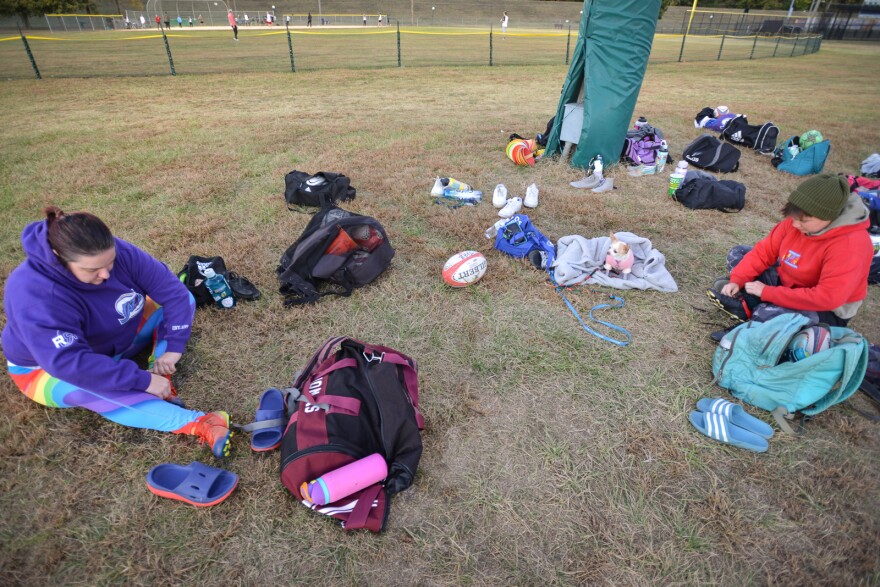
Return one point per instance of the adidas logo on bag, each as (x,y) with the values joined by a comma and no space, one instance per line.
(737,137)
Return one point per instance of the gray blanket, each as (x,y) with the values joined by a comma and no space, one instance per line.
(577,258)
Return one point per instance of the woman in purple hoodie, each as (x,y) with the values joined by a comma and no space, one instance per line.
(80,307)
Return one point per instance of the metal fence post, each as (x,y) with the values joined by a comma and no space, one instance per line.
(721,48)
(568,45)
(806,46)
(29,54)
(398,43)
(49,24)
(168,50)
(681,52)
(490,45)
(775,49)
(793,47)
(290,47)
(752,54)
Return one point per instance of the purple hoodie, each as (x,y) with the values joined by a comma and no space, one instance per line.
(74,329)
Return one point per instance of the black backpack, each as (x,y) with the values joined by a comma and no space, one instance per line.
(337,248)
(348,404)
(193,277)
(761,138)
(701,190)
(707,152)
(321,189)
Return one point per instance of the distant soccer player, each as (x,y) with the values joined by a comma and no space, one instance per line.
(233,24)
(504,20)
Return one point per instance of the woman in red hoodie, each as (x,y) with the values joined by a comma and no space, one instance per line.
(816,260)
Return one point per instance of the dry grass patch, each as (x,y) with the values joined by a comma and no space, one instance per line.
(550,456)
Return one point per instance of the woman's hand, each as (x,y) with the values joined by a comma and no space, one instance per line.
(731,289)
(755,288)
(166,364)
(160,386)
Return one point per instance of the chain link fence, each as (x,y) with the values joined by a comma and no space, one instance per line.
(181,50)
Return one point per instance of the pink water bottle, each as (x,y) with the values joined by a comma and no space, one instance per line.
(349,479)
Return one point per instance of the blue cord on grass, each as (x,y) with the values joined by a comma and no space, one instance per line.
(625,332)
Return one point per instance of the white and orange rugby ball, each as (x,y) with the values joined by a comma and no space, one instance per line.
(464,268)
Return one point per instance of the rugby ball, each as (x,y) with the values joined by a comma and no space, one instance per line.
(809,341)
(464,268)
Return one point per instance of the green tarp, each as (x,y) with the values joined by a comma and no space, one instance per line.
(609,62)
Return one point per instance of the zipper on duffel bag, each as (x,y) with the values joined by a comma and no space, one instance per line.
(318,449)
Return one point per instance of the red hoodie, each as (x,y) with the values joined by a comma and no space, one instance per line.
(820,272)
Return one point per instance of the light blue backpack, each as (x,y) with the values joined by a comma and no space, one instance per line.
(749,363)
(810,160)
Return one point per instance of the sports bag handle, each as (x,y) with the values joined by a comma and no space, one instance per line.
(387,354)
(317,358)
(332,404)
(358,517)
(410,379)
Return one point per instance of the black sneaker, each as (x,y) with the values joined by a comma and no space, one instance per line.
(538,258)
(720,282)
(733,307)
(241,287)
(719,334)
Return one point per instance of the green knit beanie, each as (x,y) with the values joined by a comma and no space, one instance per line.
(823,196)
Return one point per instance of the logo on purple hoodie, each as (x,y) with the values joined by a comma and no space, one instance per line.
(129,305)
(63,339)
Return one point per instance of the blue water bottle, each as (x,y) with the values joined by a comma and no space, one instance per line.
(219,288)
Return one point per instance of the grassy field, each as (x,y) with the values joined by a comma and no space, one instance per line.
(551,457)
(136,53)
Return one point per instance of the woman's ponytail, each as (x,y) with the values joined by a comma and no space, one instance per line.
(75,235)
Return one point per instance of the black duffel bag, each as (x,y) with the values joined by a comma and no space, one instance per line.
(703,191)
(761,138)
(321,189)
(707,152)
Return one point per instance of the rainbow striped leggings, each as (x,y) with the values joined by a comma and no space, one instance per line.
(137,409)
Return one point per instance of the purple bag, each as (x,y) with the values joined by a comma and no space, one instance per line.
(641,145)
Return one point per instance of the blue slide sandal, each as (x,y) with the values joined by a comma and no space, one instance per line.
(718,427)
(737,416)
(268,426)
(196,484)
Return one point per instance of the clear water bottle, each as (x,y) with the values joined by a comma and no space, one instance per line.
(677,177)
(219,288)
(493,230)
(598,165)
(662,156)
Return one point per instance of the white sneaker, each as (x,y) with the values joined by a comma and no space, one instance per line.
(606,186)
(499,196)
(513,206)
(589,181)
(438,188)
(531,199)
